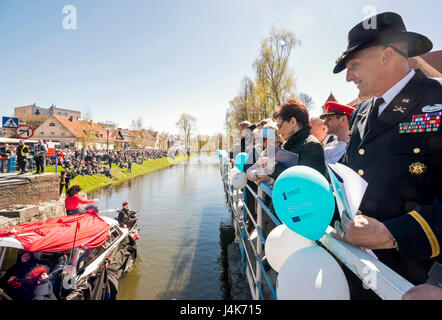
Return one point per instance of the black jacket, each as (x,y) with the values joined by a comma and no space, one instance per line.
(309,150)
(403,171)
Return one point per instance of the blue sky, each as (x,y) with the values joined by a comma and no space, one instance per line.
(158,59)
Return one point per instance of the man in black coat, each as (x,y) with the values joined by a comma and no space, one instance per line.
(396,146)
(22,152)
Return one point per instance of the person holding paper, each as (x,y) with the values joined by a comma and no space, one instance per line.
(336,119)
(396,146)
(292,119)
(263,168)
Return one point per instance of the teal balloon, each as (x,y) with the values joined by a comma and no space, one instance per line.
(219,154)
(303,200)
(240,160)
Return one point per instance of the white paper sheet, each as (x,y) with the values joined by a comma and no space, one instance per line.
(349,188)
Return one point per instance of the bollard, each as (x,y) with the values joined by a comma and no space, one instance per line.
(11,164)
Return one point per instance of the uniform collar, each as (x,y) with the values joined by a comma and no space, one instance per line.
(394,90)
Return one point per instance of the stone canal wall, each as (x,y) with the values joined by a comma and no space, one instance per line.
(18,214)
(28,189)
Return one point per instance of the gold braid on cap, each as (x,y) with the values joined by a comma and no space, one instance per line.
(342,56)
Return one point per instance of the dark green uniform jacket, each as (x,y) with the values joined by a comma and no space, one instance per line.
(404,175)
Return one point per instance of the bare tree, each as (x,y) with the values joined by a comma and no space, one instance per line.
(186,124)
(307,100)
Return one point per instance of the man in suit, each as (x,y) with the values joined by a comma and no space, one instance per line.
(396,146)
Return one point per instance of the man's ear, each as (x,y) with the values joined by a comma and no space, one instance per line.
(387,54)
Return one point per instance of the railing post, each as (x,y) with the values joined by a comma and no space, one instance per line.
(258,238)
(244,224)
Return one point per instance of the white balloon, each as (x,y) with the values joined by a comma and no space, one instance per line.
(239,180)
(281,243)
(232,172)
(311,274)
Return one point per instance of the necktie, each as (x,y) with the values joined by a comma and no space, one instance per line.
(373,115)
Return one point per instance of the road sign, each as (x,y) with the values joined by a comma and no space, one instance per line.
(24,132)
(9,122)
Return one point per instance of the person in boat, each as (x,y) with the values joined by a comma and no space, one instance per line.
(74,201)
(38,285)
(126,218)
(14,279)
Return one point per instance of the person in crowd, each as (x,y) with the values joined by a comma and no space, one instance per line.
(14,279)
(5,151)
(336,119)
(292,120)
(319,130)
(264,166)
(39,286)
(65,180)
(129,165)
(400,214)
(40,151)
(74,201)
(246,136)
(126,218)
(22,152)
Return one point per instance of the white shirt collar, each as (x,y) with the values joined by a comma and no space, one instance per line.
(394,91)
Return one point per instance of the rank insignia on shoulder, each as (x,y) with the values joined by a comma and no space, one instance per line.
(417,168)
(436,107)
(406,100)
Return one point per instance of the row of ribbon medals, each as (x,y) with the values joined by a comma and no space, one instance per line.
(427,122)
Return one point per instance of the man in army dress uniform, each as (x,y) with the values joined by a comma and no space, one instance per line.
(396,146)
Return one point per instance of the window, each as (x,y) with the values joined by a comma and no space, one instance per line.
(59,113)
(52,124)
(8,258)
(65,114)
(42,134)
(62,134)
(88,256)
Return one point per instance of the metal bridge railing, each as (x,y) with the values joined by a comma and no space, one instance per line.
(375,275)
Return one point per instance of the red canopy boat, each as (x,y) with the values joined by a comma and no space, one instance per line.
(86,231)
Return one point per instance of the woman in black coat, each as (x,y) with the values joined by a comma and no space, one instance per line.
(14,279)
(292,119)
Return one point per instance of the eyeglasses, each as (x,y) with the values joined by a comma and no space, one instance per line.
(279,125)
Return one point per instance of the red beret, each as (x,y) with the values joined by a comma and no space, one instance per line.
(336,108)
(124,203)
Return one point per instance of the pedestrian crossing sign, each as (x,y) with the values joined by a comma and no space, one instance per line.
(9,122)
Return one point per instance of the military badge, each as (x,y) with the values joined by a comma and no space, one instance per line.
(406,100)
(417,168)
(436,107)
(400,109)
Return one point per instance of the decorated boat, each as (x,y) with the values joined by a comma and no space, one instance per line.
(86,255)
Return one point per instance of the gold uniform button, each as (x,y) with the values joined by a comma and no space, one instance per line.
(361,172)
(361,152)
(416,150)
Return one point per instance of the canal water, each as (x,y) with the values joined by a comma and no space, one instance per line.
(181,211)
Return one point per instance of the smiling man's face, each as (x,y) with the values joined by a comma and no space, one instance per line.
(365,69)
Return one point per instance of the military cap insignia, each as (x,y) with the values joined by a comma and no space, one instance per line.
(400,109)
(406,100)
(436,107)
(417,168)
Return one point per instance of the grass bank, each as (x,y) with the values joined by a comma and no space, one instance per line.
(119,175)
